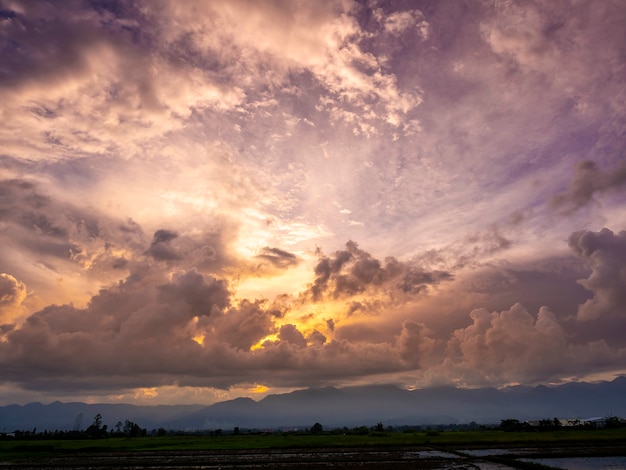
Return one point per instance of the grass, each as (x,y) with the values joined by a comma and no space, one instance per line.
(11,449)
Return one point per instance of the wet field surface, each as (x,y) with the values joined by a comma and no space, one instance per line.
(358,458)
(364,458)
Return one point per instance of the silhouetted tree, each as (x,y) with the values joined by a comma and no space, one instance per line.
(317,428)
(360,430)
(509,425)
(97,421)
(96,430)
(133,430)
(612,422)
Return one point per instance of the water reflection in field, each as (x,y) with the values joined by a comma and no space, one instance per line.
(364,458)
(582,463)
(486,452)
(292,459)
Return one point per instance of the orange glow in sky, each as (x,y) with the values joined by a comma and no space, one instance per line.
(202,200)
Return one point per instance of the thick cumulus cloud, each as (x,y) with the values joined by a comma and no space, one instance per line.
(352,271)
(160,248)
(159,327)
(517,346)
(154,329)
(146,312)
(505,346)
(605,252)
(414,343)
(169,167)
(577,334)
(12,294)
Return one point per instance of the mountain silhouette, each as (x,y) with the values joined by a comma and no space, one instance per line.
(339,407)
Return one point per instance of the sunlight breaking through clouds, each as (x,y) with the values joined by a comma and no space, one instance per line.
(202,200)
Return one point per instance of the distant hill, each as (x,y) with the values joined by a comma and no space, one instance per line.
(68,416)
(368,405)
(338,407)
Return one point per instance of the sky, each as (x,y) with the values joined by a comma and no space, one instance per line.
(201,200)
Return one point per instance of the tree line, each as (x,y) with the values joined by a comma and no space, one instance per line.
(128,428)
(96,430)
(608,422)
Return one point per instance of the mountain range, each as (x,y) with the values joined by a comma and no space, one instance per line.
(338,407)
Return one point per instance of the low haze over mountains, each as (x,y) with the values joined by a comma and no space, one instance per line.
(337,407)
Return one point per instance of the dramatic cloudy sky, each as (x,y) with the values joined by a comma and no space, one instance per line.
(207,199)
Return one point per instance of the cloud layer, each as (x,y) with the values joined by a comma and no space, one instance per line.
(204,199)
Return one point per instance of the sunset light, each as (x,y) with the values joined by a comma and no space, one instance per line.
(206,200)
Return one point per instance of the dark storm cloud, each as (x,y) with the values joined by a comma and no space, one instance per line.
(352,271)
(292,335)
(244,325)
(587,181)
(197,294)
(146,330)
(141,312)
(156,328)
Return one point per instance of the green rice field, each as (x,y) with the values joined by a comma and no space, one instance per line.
(445,449)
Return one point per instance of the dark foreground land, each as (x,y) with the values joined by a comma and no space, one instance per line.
(485,450)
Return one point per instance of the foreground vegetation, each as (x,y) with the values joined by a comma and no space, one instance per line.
(376,450)
(447,439)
